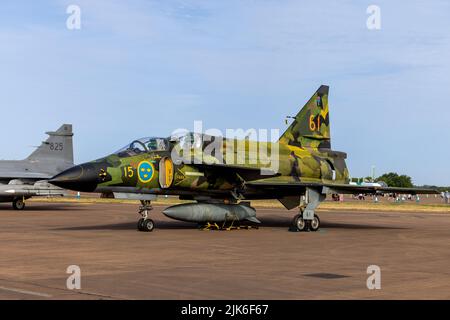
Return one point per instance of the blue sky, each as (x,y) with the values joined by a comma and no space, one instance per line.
(140,68)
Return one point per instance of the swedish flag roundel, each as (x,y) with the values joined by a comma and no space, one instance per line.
(145,171)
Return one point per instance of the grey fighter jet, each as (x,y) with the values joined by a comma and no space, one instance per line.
(23,179)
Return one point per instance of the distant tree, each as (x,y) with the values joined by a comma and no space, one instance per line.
(440,189)
(393,179)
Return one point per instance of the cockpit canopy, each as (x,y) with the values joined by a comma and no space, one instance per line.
(142,145)
(192,140)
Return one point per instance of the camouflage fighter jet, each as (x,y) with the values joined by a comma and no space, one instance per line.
(23,179)
(222,185)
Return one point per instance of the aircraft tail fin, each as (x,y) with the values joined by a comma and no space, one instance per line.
(311,126)
(58,146)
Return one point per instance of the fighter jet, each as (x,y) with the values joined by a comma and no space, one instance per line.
(222,183)
(23,179)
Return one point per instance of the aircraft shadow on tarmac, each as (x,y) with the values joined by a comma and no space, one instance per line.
(49,207)
(285,223)
(132,226)
(265,223)
(357,226)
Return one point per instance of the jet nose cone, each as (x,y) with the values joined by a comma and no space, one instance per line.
(79,178)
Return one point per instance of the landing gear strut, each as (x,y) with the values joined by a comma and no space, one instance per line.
(307,219)
(145,223)
(18,204)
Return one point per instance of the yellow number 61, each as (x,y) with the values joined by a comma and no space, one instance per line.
(313,126)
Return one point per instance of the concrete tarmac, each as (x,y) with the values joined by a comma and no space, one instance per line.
(178,261)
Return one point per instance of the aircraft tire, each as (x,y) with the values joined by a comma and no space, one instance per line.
(148,225)
(299,223)
(314,224)
(140,224)
(18,204)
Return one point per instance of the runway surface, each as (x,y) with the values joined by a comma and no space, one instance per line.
(178,261)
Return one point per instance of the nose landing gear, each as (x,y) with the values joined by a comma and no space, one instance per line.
(145,223)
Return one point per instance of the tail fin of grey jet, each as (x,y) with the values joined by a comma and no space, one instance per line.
(311,126)
(57,148)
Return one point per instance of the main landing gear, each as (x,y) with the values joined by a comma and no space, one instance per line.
(18,204)
(306,225)
(307,219)
(145,223)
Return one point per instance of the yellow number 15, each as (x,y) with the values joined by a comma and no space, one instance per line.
(128,172)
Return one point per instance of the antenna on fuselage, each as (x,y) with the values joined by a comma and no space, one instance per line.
(288,117)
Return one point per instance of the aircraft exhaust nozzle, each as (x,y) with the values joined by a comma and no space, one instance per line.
(211,212)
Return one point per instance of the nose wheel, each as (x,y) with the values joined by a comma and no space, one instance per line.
(145,223)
